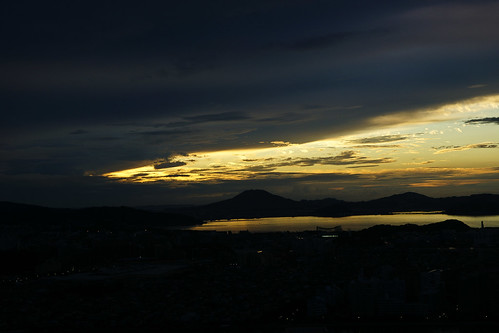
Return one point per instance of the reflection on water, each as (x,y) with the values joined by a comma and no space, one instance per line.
(412,329)
(302,223)
(418,328)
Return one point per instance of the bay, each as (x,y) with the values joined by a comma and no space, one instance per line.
(358,222)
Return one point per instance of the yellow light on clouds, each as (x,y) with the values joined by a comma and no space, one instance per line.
(392,144)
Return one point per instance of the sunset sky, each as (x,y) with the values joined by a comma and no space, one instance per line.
(148,103)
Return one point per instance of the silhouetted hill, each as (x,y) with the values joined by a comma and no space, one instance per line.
(481,204)
(251,203)
(22,214)
(383,229)
(477,204)
(321,203)
(404,202)
(16,213)
(451,224)
(260,203)
(258,198)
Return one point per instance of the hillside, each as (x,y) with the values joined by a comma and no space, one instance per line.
(260,203)
(103,217)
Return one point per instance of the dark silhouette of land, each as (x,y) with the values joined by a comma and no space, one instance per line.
(125,268)
(248,204)
(260,203)
(103,217)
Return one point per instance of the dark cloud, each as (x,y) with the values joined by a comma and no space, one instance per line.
(478,121)
(224,116)
(160,137)
(105,138)
(348,157)
(477,86)
(376,146)
(204,119)
(140,174)
(326,40)
(258,169)
(362,166)
(169,161)
(446,149)
(43,166)
(78,132)
(380,139)
(471,146)
(168,164)
(162,133)
(484,145)
(288,117)
(344,158)
(210,75)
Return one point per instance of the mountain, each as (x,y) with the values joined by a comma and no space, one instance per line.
(257,203)
(452,224)
(477,204)
(251,203)
(405,202)
(104,217)
(248,204)
(257,198)
(384,229)
(260,203)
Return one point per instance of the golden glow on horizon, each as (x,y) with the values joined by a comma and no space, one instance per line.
(428,148)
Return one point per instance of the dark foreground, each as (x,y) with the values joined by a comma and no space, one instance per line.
(443,278)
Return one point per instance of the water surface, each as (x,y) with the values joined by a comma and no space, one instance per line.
(302,223)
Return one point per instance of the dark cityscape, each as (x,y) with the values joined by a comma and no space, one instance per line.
(137,270)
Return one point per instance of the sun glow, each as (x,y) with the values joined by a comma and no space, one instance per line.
(429,148)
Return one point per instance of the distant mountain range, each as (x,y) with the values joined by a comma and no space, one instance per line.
(98,217)
(260,203)
(248,204)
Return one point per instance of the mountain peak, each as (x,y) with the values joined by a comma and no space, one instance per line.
(252,194)
(410,195)
(251,203)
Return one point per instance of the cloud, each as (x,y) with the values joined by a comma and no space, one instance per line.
(162,133)
(289,71)
(348,157)
(456,22)
(159,137)
(214,117)
(448,182)
(377,146)
(78,132)
(380,139)
(178,175)
(487,120)
(344,158)
(167,164)
(287,117)
(280,143)
(169,161)
(422,163)
(362,166)
(447,149)
(320,41)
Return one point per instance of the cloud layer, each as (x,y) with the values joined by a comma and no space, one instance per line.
(88,92)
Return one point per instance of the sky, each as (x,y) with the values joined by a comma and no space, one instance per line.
(190,102)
